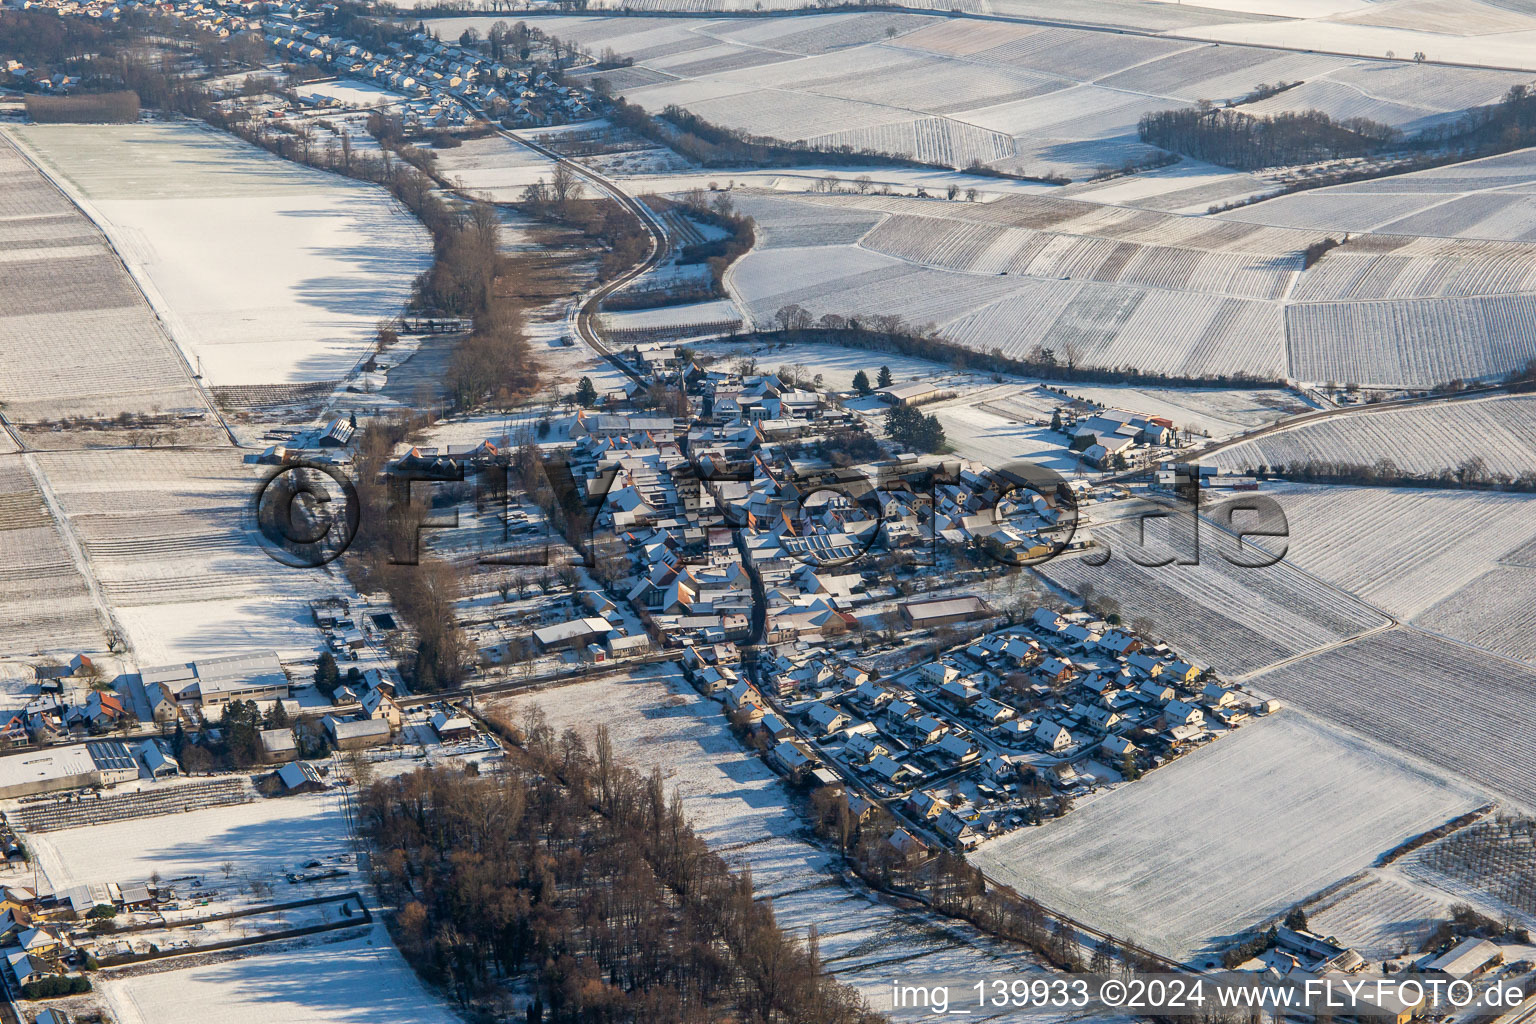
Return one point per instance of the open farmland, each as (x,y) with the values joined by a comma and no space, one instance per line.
(1497,610)
(45,603)
(1494,197)
(1019,96)
(266,272)
(77,337)
(1227,836)
(1421,440)
(355,981)
(1233,619)
(1402,549)
(1411,342)
(1467,711)
(169,539)
(741,809)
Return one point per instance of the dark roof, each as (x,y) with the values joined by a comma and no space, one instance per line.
(111,755)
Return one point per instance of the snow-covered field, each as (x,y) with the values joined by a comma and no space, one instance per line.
(356,981)
(172,543)
(45,603)
(494,168)
(1233,619)
(77,337)
(1403,549)
(1021,96)
(1487,198)
(1227,836)
(1422,439)
(265,271)
(1467,711)
(742,809)
(261,839)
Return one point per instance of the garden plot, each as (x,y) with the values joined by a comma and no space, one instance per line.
(743,811)
(76,335)
(1380,917)
(46,605)
(355,981)
(260,840)
(170,541)
(266,272)
(1421,440)
(1228,836)
(1233,619)
(1465,710)
(1403,550)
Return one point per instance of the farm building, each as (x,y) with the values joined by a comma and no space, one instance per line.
(356,733)
(1467,959)
(572,635)
(915,393)
(98,763)
(944,611)
(299,777)
(278,745)
(451,728)
(217,681)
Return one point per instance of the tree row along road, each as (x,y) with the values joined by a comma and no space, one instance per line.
(589,305)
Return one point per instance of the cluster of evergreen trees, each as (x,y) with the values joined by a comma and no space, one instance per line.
(911,430)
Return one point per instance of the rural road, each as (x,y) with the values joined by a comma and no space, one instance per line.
(588,306)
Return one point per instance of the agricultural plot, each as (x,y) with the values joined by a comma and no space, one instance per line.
(266,272)
(46,605)
(1234,619)
(1497,610)
(741,809)
(1379,916)
(171,542)
(1492,859)
(1403,550)
(1228,836)
(1018,96)
(1493,198)
(77,337)
(260,840)
(357,981)
(1421,440)
(1465,710)
(785,224)
(495,167)
(1405,95)
(1399,267)
(849,280)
